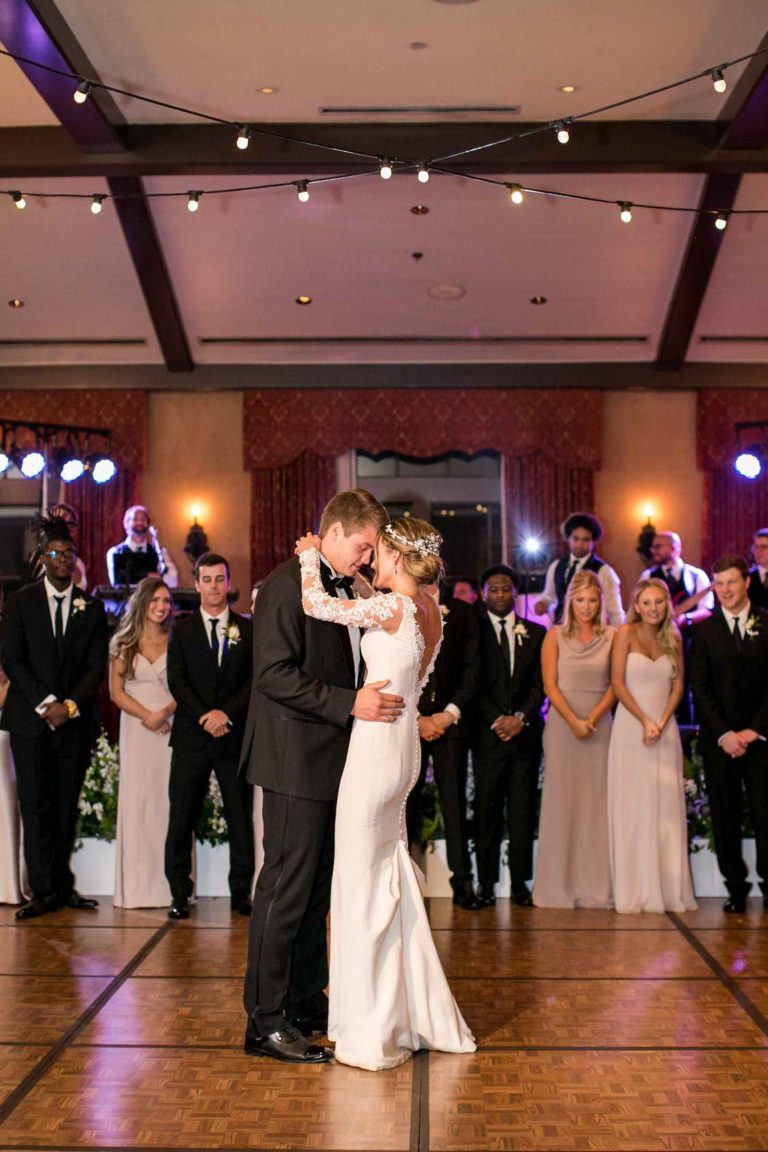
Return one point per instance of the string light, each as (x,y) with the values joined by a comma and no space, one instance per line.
(303,191)
(515,193)
(625,212)
(82,92)
(193,201)
(721,221)
(422,173)
(719,82)
(244,137)
(385,171)
(563,135)
(96,204)
(18,199)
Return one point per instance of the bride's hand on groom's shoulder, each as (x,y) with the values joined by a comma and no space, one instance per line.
(304,543)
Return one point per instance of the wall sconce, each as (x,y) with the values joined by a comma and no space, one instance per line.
(197,541)
(647,533)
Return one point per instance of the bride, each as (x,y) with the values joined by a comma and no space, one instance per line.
(388,993)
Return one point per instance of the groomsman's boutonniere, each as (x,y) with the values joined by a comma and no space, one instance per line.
(752,627)
(445,611)
(232,634)
(520,632)
(79,605)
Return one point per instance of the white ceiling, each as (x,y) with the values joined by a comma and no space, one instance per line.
(238,264)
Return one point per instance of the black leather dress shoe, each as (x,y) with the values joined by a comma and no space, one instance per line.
(287,1044)
(243,905)
(521,895)
(37,907)
(179,910)
(467,900)
(485,897)
(736,905)
(73,899)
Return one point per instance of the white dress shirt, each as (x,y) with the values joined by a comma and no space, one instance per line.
(694,580)
(222,624)
(509,624)
(167,568)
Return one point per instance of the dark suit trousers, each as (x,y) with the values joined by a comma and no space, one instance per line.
(50,770)
(723,777)
(449,765)
(506,772)
(287,968)
(190,774)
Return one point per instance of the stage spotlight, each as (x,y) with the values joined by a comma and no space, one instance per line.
(749,463)
(71,470)
(4,463)
(101,468)
(32,464)
(531,545)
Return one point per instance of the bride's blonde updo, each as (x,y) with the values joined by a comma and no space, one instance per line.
(419,545)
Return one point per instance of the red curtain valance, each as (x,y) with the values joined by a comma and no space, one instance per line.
(280,424)
(718,412)
(124,413)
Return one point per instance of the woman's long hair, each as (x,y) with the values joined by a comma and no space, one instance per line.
(581,581)
(125,642)
(668,635)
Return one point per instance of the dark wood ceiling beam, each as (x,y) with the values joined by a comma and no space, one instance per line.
(36,30)
(149,262)
(206,149)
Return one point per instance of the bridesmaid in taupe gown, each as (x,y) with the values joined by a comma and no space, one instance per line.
(572,867)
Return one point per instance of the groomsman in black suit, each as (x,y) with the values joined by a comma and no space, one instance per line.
(446,711)
(509,698)
(758,573)
(209,676)
(54,644)
(304,696)
(730,683)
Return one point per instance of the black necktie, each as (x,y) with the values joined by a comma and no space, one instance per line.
(215,639)
(737,637)
(343,583)
(506,654)
(58,628)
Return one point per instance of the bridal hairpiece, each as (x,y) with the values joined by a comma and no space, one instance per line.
(426,545)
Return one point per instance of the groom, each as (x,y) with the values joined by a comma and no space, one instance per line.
(304,694)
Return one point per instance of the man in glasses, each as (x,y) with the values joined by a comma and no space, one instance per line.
(53,637)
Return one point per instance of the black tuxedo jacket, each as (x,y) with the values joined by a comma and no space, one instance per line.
(198,684)
(36,670)
(758,593)
(299,720)
(500,695)
(455,676)
(730,688)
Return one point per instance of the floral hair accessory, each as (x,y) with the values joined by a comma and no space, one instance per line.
(426,545)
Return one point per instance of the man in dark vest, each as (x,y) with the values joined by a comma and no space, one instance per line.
(758,573)
(140,553)
(581,531)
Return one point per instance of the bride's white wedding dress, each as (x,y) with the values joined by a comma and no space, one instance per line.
(388,992)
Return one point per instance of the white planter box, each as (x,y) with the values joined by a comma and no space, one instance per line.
(94,868)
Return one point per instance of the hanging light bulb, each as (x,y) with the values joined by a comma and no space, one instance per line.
(386,169)
(625,212)
(422,173)
(193,202)
(96,204)
(303,191)
(18,200)
(718,80)
(515,193)
(82,92)
(721,221)
(563,135)
(244,137)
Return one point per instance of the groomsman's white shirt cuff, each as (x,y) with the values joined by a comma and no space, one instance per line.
(454,711)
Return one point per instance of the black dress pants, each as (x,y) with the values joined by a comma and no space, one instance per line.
(723,776)
(287,969)
(449,765)
(190,775)
(50,770)
(507,772)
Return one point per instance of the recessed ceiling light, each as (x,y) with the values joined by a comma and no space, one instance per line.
(447,291)
(538,299)
(417,45)
(417,255)
(267,90)
(568,88)
(303,299)
(16,303)
(419,209)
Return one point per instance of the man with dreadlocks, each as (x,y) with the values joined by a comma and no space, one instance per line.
(54,643)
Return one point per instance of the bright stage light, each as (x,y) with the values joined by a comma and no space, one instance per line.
(102,470)
(32,464)
(531,545)
(748,464)
(71,470)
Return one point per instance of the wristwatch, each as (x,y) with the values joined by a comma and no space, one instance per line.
(521,717)
(72,709)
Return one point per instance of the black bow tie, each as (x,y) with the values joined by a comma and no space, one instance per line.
(344,582)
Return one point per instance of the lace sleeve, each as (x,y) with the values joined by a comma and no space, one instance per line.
(369,613)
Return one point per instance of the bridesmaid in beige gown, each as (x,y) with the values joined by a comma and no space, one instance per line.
(13,874)
(139,687)
(572,866)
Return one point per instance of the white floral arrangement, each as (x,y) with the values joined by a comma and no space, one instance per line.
(97,806)
(212,828)
(520,632)
(752,627)
(445,611)
(232,635)
(79,604)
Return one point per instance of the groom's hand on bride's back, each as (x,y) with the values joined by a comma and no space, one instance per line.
(373,704)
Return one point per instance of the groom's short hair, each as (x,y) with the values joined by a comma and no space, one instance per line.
(731,560)
(355,509)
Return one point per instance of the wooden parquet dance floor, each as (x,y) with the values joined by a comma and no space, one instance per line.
(596,1032)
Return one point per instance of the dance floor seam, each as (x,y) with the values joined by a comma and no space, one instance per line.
(595,1034)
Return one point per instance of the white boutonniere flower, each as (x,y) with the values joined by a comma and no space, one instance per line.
(520,632)
(752,627)
(445,610)
(232,634)
(79,605)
